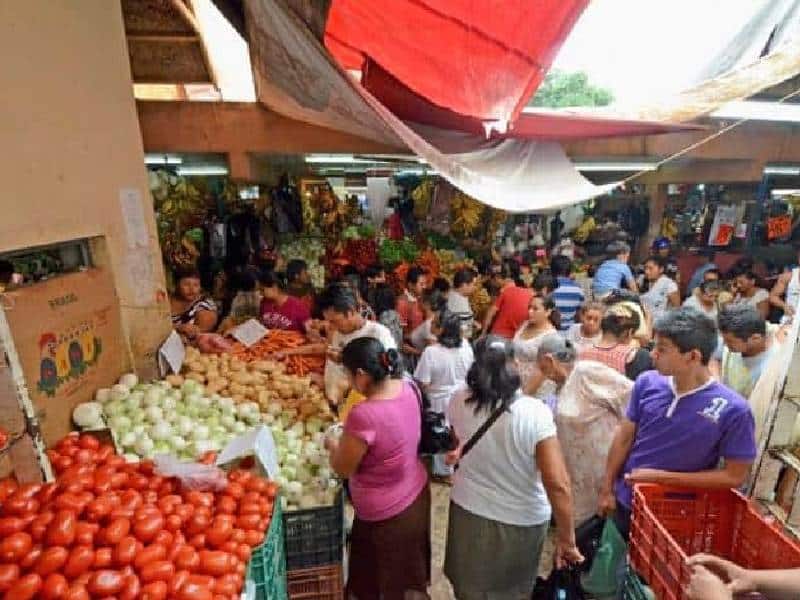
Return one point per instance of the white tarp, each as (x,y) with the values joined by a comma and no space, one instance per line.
(296,77)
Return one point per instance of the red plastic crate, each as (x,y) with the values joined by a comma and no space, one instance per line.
(316,583)
(671,524)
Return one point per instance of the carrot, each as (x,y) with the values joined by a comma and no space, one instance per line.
(279,341)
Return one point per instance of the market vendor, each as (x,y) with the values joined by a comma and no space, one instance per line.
(279,310)
(411,312)
(458,299)
(193,312)
(298,282)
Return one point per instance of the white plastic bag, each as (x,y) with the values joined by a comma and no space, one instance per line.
(192,475)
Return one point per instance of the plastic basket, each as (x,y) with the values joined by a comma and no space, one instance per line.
(267,566)
(670,524)
(314,536)
(634,589)
(318,583)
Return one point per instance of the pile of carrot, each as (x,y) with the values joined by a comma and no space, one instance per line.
(278,340)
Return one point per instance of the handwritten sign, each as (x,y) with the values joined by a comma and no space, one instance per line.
(779,227)
(249,332)
(172,352)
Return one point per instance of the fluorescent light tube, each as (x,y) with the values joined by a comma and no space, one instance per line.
(206,170)
(782,170)
(756,110)
(616,166)
(786,192)
(162,159)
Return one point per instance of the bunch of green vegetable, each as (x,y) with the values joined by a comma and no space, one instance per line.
(394,252)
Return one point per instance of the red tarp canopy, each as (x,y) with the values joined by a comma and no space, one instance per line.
(481,59)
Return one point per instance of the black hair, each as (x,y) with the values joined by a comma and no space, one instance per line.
(349,270)
(549,303)
(621,295)
(450,335)
(717,271)
(658,261)
(186,273)
(294,269)
(742,321)
(509,269)
(435,299)
(368,354)
(413,275)
(244,279)
(383,299)
(463,277)
(6,272)
(620,320)
(441,285)
(688,329)
(373,271)
(338,297)
(273,279)
(492,378)
(710,286)
(560,266)
(544,281)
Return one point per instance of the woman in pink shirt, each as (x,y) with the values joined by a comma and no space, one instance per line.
(390,553)
(279,310)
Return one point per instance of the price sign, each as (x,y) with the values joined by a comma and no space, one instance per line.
(779,227)
(172,352)
(249,332)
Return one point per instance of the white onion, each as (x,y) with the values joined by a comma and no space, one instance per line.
(200,432)
(129,380)
(161,431)
(154,414)
(102,395)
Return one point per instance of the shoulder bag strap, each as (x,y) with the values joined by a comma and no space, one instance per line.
(484,428)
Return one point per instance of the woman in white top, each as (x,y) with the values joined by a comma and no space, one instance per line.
(704,299)
(785,294)
(500,504)
(441,370)
(747,292)
(586,332)
(662,292)
(543,318)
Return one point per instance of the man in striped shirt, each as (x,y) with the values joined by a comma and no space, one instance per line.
(567,295)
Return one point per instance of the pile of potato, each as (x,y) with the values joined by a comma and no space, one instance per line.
(263,381)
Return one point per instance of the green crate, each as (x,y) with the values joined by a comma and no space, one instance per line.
(267,567)
(634,589)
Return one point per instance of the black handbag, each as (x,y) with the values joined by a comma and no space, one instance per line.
(562,584)
(436,436)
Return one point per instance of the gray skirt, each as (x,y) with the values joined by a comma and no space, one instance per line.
(489,560)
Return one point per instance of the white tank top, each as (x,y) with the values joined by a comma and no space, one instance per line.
(793,289)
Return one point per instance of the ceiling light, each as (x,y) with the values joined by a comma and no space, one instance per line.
(206,170)
(162,159)
(759,111)
(337,159)
(786,192)
(782,170)
(616,166)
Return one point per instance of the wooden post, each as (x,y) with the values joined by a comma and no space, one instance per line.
(658,203)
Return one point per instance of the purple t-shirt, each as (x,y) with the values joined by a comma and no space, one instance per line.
(292,314)
(704,426)
(391,475)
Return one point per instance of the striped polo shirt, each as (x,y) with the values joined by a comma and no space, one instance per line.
(568,297)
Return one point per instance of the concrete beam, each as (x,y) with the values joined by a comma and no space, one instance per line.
(232,127)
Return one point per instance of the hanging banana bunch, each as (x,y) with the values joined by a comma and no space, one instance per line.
(465,214)
(422,196)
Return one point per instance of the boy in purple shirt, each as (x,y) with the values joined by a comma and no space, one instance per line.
(680,421)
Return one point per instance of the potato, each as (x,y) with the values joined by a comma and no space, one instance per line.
(197,367)
(198,377)
(174,380)
(238,399)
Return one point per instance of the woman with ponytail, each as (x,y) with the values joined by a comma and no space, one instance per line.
(377,453)
(500,504)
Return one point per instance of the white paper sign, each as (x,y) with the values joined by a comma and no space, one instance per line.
(249,332)
(258,441)
(130,200)
(173,352)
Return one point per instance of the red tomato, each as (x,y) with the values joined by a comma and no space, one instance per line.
(237,535)
(29,490)
(9,525)
(197,524)
(61,463)
(107,455)
(125,551)
(8,576)
(116,530)
(84,457)
(253,537)
(160,570)
(132,589)
(173,523)
(76,591)
(151,553)
(244,552)
(85,532)
(79,561)
(156,590)
(62,529)
(250,508)
(235,490)
(231,547)
(106,583)
(51,560)
(88,442)
(55,586)
(25,588)
(47,493)
(71,502)
(164,538)
(130,499)
(145,529)
(215,563)
(226,504)
(137,481)
(187,558)
(98,508)
(248,522)
(177,581)
(16,505)
(15,546)
(27,562)
(225,586)
(103,558)
(168,488)
(198,541)
(184,511)
(119,480)
(194,591)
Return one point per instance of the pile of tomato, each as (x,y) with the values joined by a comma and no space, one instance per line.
(116,530)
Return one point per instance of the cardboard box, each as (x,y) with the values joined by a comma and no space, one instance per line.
(68,336)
